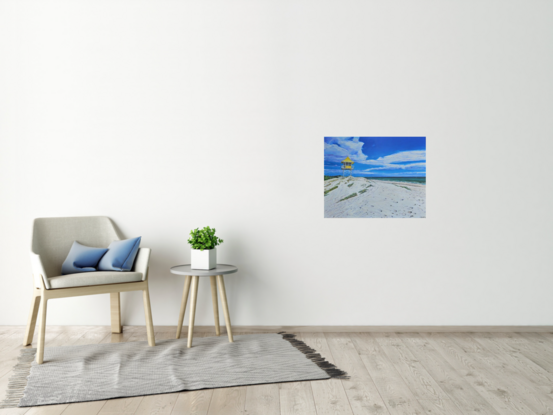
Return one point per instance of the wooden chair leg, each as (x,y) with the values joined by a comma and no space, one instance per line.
(149,321)
(42,330)
(31,324)
(183,304)
(193,298)
(115,306)
(223,293)
(215,304)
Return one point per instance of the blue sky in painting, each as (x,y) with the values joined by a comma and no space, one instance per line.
(377,156)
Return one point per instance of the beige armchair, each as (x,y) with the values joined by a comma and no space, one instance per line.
(51,242)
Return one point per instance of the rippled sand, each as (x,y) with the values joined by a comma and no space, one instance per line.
(374,199)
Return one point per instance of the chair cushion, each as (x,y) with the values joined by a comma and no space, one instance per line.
(120,255)
(82,258)
(93,278)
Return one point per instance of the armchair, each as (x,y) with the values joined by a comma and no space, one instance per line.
(51,242)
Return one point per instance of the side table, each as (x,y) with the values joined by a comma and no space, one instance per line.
(193,277)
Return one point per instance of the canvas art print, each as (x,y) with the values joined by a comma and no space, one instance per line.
(375,177)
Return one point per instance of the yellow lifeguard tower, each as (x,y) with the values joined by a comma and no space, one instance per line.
(347,165)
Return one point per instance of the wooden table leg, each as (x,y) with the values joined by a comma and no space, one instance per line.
(215,304)
(223,293)
(193,298)
(183,304)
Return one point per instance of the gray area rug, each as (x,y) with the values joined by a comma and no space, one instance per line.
(105,371)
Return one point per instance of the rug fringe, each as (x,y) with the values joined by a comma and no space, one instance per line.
(315,357)
(18,381)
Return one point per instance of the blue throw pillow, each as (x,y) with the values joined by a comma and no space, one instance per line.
(82,258)
(120,255)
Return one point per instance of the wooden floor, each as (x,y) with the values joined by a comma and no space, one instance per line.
(391,373)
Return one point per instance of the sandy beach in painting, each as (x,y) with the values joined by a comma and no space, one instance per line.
(360,197)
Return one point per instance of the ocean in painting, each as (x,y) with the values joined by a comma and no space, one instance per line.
(421,180)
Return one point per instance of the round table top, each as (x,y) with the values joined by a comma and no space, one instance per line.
(221,269)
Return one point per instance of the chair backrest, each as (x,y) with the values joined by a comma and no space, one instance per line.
(53,237)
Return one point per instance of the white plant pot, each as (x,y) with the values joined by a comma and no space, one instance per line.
(206,259)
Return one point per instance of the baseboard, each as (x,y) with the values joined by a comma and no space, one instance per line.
(374,329)
(340,329)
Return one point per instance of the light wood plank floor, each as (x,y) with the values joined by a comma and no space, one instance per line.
(391,373)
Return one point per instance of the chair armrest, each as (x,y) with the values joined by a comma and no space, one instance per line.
(142,261)
(39,274)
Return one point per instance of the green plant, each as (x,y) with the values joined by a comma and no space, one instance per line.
(348,197)
(405,187)
(330,190)
(204,238)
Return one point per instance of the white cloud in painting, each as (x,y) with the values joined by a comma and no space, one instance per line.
(401,157)
(394,160)
(338,148)
(411,166)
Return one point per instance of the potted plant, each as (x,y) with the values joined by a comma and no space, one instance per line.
(203,243)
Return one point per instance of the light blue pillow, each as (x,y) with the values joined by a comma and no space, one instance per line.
(120,255)
(82,258)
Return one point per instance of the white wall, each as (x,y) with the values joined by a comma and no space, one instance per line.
(170,115)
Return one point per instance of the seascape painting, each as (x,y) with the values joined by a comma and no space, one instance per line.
(375,177)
